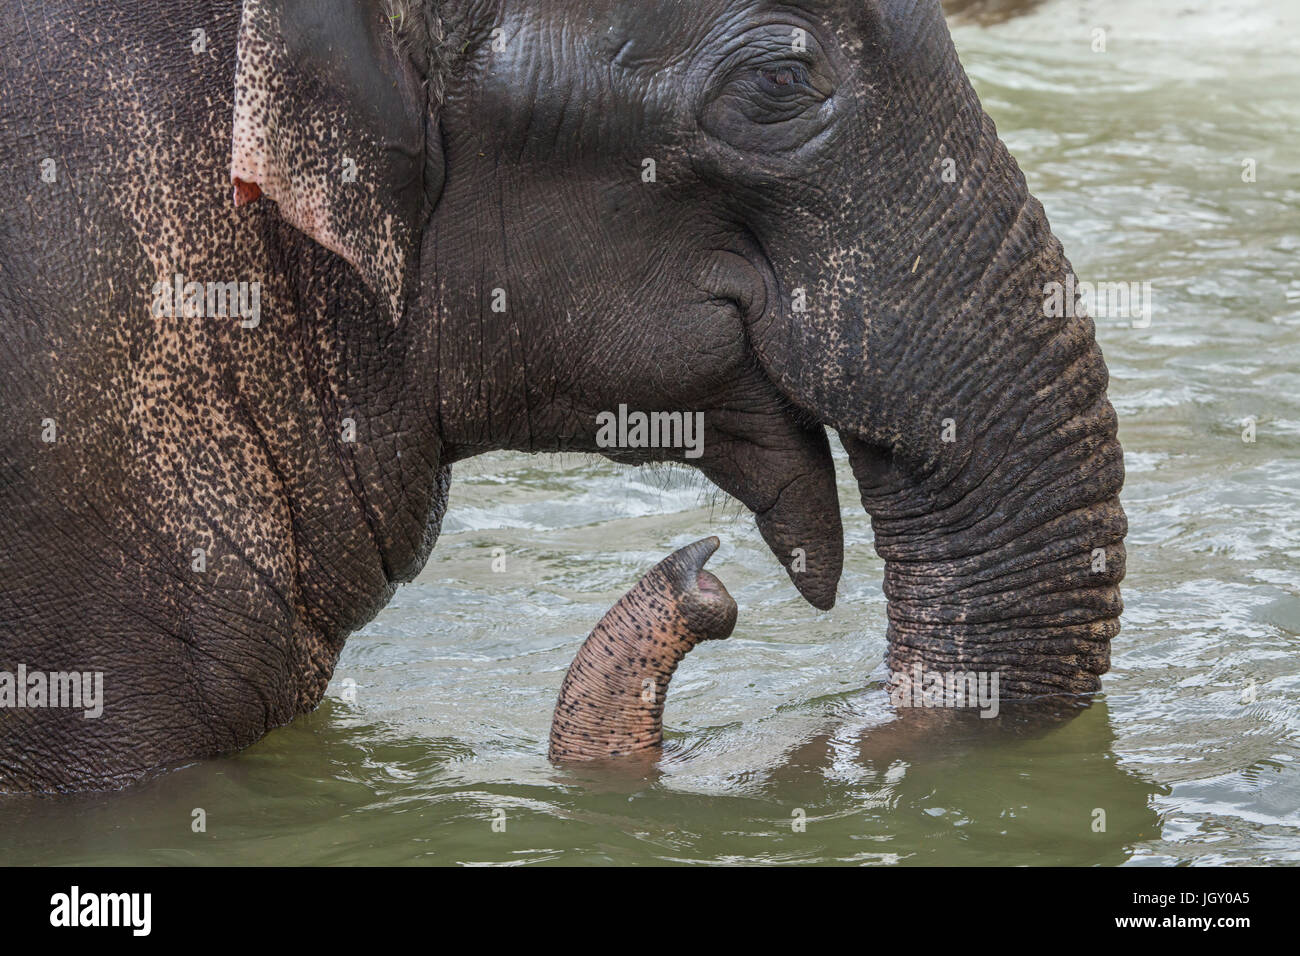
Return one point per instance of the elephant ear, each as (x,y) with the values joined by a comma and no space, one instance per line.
(331,114)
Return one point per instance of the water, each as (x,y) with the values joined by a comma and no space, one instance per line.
(438,714)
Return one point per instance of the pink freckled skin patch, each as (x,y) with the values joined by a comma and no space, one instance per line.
(246,192)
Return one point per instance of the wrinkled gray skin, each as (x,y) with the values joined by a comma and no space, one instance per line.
(514,165)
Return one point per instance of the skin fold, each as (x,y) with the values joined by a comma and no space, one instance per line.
(612,700)
(480,225)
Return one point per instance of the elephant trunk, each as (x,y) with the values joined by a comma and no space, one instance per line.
(967,387)
(995,504)
(612,700)
(1020,579)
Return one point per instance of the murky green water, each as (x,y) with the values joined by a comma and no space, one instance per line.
(438,714)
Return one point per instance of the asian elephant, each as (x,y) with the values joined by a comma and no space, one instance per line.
(268,269)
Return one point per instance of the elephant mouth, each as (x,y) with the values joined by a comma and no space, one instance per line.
(765,450)
(776,461)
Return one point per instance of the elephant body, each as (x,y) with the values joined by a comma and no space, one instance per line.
(180,436)
(461,246)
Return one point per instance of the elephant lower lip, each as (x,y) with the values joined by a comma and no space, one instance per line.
(813,560)
(788,481)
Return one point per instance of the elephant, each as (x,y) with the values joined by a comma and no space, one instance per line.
(611,703)
(272,267)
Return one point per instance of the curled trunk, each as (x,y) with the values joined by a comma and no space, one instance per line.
(612,699)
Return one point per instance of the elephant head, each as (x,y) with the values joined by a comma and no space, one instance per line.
(784,217)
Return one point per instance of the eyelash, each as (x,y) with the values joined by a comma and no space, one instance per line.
(796,76)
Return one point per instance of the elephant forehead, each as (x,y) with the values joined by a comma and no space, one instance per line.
(649,35)
(655,34)
(605,67)
(610,67)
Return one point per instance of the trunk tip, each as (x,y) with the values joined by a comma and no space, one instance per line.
(702,599)
(689,561)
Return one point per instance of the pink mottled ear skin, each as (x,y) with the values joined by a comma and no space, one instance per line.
(612,700)
(348,174)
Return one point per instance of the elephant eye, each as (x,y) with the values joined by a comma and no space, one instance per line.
(786,79)
(773,105)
